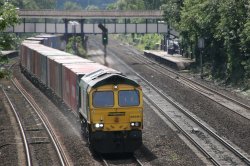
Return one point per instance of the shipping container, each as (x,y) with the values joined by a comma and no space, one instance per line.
(32,56)
(53,41)
(43,59)
(71,74)
(55,70)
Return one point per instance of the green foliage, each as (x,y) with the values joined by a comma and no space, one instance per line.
(72,6)
(153,4)
(92,7)
(225,26)
(35,4)
(30,4)
(75,46)
(3,59)
(128,5)
(8,16)
(142,42)
(172,11)
(8,41)
(111,6)
(4,73)
(245,35)
(149,41)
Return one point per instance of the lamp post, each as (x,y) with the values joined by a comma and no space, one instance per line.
(201,46)
(165,37)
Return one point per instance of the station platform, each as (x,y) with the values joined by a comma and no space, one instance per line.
(175,61)
(9,54)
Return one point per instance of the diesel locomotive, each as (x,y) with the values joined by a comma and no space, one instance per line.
(109,104)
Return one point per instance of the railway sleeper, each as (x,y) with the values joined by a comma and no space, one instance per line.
(39,140)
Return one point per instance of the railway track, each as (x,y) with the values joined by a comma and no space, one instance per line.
(129,161)
(216,149)
(25,142)
(230,103)
(40,141)
(197,127)
(194,125)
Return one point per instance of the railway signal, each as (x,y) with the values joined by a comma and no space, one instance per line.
(104,37)
(104,34)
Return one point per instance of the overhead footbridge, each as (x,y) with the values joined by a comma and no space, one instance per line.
(86,22)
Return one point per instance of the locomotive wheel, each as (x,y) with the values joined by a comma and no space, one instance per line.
(87,133)
(82,126)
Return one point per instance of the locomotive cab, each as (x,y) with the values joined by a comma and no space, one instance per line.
(111,112)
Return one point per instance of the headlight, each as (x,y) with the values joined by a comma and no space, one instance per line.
(99,125)
(135,124)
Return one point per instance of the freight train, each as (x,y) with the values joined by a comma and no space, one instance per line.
(109,104)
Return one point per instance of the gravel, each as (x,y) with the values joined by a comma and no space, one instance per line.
(162,145)
(10,138)
(226,123)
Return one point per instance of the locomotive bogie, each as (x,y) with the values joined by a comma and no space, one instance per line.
(116,142)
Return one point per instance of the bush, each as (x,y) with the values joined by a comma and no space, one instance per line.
(4,73)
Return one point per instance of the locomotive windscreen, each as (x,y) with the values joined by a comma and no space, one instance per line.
(129,98)
(103,99)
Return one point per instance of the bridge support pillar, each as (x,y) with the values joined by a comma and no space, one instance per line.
(66,30)
(83,37)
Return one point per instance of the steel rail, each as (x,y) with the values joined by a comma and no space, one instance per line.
(247,107)
(217,137)
(138,161)
(169,118)
(133,157)
(27,151)
(61,154)
(194,85)
(235,151)
(102,158)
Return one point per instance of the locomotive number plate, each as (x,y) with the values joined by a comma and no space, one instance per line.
(116,114)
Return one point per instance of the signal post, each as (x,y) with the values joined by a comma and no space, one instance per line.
(104,38)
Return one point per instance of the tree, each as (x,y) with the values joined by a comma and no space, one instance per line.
(92,7)
(35,4)
(232,20)
(8,15)
(172,9)
(154,4)
(224,24)
(77,41)
(72,6)
(130,5)
(245,46)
